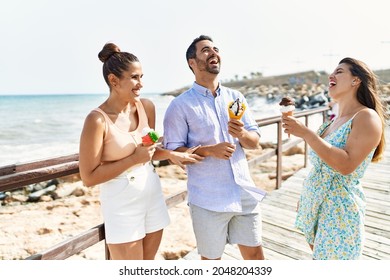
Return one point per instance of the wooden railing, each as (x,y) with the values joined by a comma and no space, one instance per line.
(280,146)
(17,176)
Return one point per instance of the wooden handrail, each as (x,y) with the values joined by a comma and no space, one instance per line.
(14,168)
(280,146)
(72,245)
(19,175)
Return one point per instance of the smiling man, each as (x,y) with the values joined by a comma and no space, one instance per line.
(222,210)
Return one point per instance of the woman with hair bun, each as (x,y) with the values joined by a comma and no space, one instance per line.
(332,205)
(112,156)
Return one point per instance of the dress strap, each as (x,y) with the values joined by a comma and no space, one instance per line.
(356,114)
(143,118)
(351,119)
(106,119)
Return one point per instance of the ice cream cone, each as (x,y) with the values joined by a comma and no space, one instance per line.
(286,114)
(287,107)
(236,109)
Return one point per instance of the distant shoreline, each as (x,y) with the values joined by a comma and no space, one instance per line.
(308,78)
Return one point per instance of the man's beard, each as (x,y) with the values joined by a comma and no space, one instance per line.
(212,70)
(207,68)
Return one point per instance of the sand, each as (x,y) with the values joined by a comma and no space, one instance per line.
(30,228)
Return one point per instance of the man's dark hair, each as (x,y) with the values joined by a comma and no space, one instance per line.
(191,51)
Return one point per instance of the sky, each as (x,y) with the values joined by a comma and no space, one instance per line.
(51,47)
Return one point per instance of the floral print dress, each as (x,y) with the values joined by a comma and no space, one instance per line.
(332,206)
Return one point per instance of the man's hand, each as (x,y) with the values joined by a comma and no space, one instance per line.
(236,128)
(222,150)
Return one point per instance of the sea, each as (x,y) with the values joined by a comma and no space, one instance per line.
(42,126)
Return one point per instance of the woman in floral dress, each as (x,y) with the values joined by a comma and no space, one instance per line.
(331,208)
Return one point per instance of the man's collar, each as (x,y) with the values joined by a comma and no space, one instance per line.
(205,91)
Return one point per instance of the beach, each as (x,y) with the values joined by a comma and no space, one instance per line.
(30,228)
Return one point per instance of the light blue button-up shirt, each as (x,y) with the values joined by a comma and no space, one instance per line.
(195,118)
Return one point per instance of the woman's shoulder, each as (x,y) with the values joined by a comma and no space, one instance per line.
(148,107)
(147,103)
(366,114)
(368,119)
(96,116)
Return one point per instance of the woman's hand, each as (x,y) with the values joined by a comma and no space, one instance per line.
(292,126)
(143,153)
(183,158)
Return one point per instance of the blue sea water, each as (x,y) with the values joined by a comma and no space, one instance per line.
(35,127)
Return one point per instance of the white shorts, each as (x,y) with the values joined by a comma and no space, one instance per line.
(213,230)
(132,205)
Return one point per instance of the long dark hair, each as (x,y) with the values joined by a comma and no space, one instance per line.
(367,95)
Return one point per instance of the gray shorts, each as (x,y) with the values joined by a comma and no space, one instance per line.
(213,230)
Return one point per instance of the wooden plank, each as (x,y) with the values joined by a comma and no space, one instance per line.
(376,246)
(290,205)
(175,199)
(270,254)
(378,238)
(290,239)
(279,246)
(72,246)
(375,254)
(24,178)
(381,198)
(373,207)
(232,252)
(379,218)
(192,255)
(377,231)
(14,168)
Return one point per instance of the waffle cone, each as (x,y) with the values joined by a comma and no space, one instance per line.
(289,113)
(239,116)
(286,114)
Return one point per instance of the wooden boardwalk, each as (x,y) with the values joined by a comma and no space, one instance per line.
(281,241)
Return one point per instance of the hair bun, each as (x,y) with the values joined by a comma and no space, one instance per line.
(108,50)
